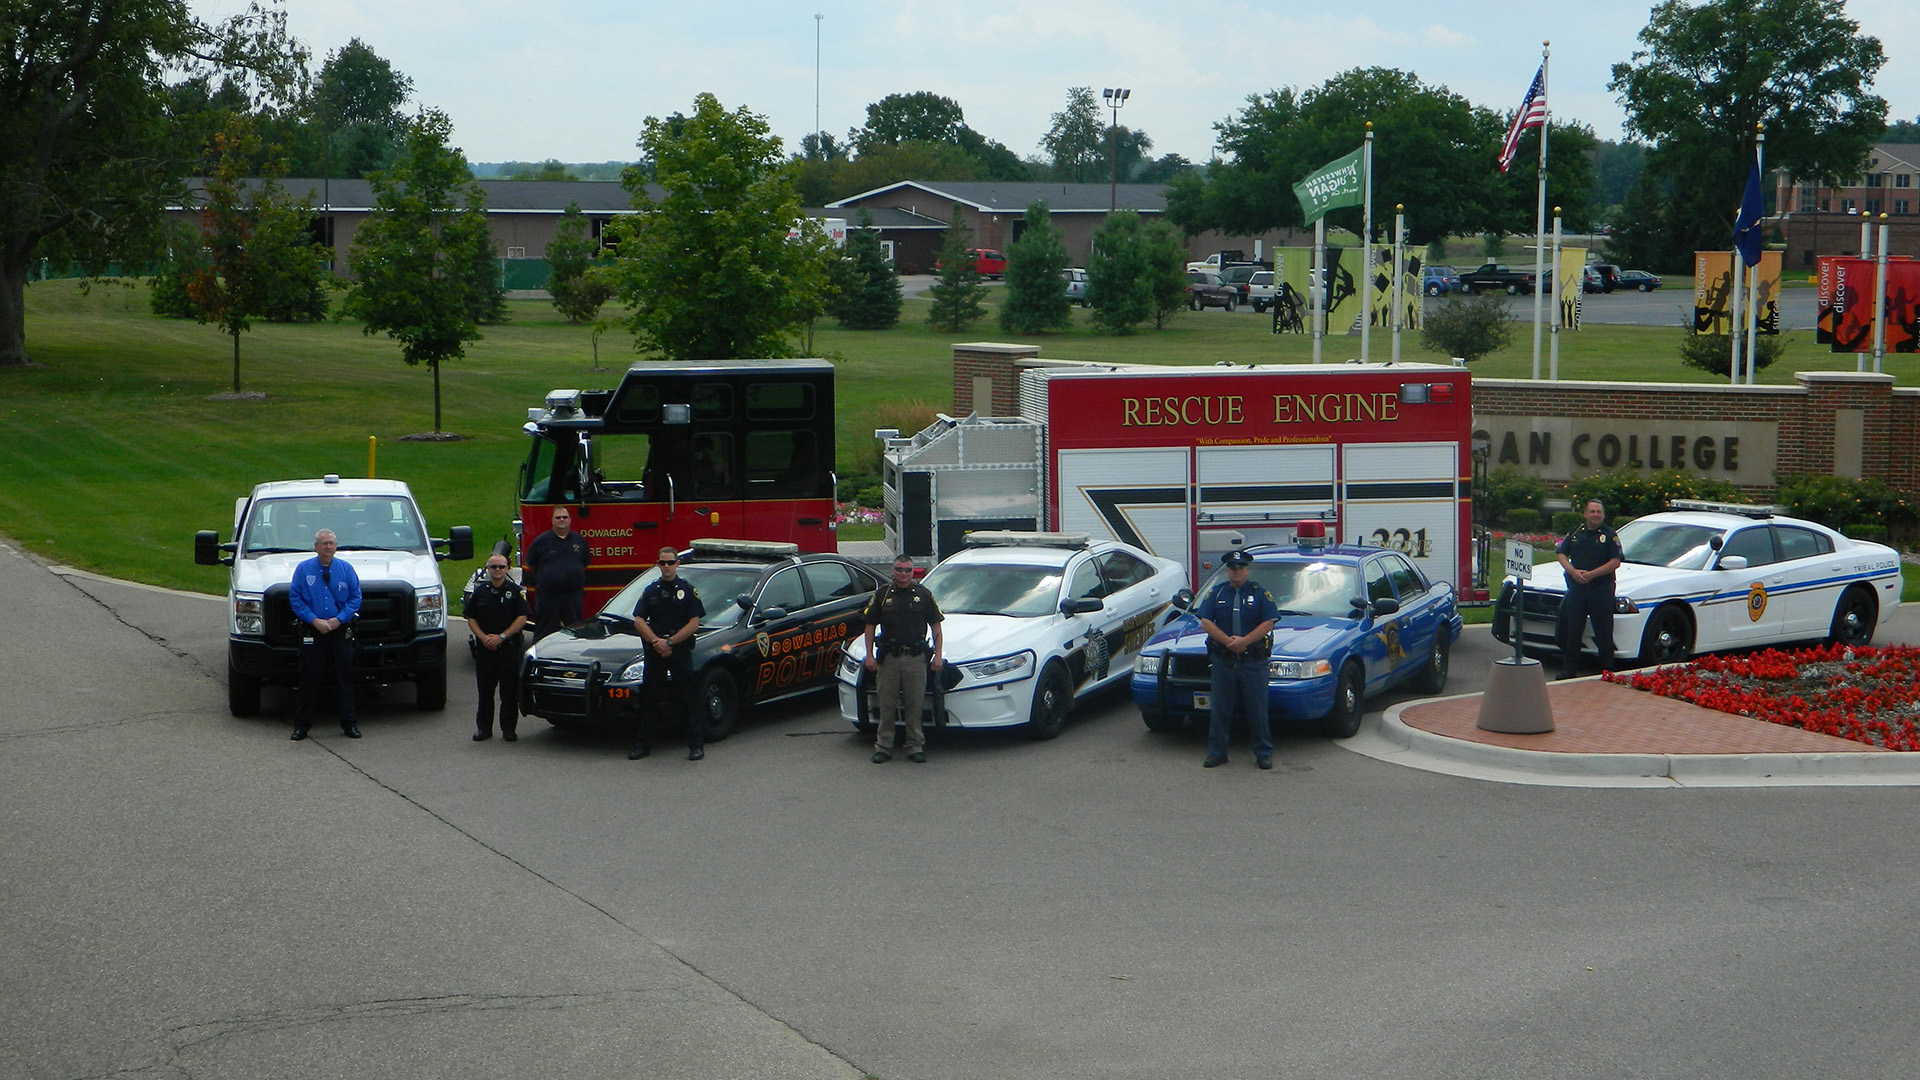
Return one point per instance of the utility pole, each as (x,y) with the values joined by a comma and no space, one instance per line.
(1114,99)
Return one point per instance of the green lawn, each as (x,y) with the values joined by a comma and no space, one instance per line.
(112,455)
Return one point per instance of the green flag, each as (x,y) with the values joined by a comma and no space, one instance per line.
(1335,184)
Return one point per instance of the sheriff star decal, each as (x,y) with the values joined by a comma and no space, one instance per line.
(1390,637)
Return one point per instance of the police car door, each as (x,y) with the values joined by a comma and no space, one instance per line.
(1741,611)
(780,613)
(1380,650)
(1136,601)
(1090,652)
(1419,615)
(1812,580)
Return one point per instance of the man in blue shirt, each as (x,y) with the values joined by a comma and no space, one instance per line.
(1237,616)
(325,598)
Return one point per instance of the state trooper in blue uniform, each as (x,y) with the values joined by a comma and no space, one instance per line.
(1589,556)
(1237,616)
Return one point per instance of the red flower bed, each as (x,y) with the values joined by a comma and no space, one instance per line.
(1869,695)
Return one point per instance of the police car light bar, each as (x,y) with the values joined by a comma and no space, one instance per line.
(754,549)
(1751,510)
(1001,538)
(1310,534)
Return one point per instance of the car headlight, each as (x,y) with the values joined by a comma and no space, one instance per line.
(248,616)
(999,668)
(1624,605)
(429,605)
(1149,663)
(634,672)
(1298,669)
(849,668)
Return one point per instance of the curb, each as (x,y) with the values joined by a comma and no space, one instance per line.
(1387,738)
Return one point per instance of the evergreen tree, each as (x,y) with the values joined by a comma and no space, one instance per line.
(1118,284)
(1166,259)
(1036,300)
(869,297)
(957,296)
(577,291)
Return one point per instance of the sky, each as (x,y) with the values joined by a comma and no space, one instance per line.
(575,79)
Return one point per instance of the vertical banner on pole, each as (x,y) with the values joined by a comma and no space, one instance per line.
(1573,271)
(1850,305)
(1828,269)
(1712,292)
(1766,294)
(1903,306)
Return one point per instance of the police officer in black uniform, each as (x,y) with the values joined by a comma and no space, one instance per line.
(903,613)
(557,566)
(1589,555)
(667,616)
(496,612)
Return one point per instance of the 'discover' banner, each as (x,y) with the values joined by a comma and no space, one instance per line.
(1845,298)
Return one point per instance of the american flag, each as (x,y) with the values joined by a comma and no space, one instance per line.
(1532,114)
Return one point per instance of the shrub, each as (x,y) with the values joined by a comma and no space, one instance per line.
(1875,533)
(1522,520)
(1469,327)
(1565,521)
(1508,488)
(1712,353)
(1628,493)
(1838,502)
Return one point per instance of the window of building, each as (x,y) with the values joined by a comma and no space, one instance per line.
(1902,206)
(1875,179)
(1846,205)
(1873,206)
(1823,204)
(1902,179)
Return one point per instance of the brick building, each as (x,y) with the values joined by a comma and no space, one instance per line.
(1815,219)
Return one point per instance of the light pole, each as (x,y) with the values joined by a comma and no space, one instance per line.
(1114,99)
(817,148)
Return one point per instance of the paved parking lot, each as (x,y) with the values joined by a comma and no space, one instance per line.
(188,894)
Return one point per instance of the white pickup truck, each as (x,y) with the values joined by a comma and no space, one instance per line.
(401,632)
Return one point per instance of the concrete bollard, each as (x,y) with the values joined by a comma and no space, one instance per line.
(1515,702)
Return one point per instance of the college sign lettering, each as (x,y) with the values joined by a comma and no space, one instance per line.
(1563,448)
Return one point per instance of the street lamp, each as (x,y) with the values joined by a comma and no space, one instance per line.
(1114,99)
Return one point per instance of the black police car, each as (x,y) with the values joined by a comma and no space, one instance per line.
(775,626)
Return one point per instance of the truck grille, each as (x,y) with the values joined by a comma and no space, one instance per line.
(386,615)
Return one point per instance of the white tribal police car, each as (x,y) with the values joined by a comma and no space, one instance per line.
(1033,622)
(1710,576)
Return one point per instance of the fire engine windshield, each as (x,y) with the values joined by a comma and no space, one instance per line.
(717,586)
(359,523)
(1322,589)
(1024,592)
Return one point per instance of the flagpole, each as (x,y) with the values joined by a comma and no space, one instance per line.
(1540,216)
(1559,300)
(1399,272)
(1753,280)
(1366,246)
(1738,268)
(1316,293)
(1880,298)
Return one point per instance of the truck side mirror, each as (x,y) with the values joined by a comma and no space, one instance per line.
(206,549)
(459,544)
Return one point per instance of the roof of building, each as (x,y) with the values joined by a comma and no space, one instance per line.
(1907,154)
(1011,197)
(884,217)
(513,196)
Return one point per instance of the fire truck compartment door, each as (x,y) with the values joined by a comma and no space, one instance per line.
(1405,496)
(1258,494)
(1136,496)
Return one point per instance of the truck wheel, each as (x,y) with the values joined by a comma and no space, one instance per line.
(1433,290)
(1348,694)
(1051,700)
(430,689)
(1668,638)
(1433,678)
(1513,290)
(1854,619)
(716,698)
(1193,303)
(1466,288)
(243,693)
(1646,288)
(1229,305)
(1167,723)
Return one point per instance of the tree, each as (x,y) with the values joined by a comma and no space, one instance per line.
(1119,285)
(957,302)
(357,104)
(1075,139)
(1133,146)
(578,292)
(1513,205)
(1166,260)
(708,268)
(1469,327)
(1713,70)
(869,299)
(1903,131)
(1164,170)
(1036,300)
(908,161)
(549,170)
(917,117)
(415,256)
(89,157)
(485,279)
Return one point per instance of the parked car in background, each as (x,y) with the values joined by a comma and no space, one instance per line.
(1260,290)
(1240,277)
(1609,275)
(1205,289)
(1076,279)
(1439,280)
(1637,279)
(1497,277)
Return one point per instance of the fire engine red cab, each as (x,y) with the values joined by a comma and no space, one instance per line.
(1190,463)
(732,449)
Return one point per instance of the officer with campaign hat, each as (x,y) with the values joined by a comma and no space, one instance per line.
(1237,615)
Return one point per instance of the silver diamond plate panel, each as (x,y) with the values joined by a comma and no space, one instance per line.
(974,493)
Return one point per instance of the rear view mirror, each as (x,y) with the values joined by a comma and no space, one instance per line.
(1086,605)
(1733,562)
(206,549)
(1183,599)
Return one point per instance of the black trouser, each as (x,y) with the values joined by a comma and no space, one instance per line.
(1584,604)
(498,669)
(316,654)
(664,689)
(555,610)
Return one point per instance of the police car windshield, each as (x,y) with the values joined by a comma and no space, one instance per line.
(717,586)
(359,523)
(1322,589)
(1667,543)
(1023,592)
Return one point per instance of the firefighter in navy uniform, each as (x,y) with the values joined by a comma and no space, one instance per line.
(904,614)
(1589,555)
(1237,617)
(667,617)
(496,612)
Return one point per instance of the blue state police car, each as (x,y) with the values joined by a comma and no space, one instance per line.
(1354,621)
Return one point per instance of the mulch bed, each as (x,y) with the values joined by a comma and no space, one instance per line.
(1866,694)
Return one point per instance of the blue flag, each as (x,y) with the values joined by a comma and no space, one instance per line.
(1746,227)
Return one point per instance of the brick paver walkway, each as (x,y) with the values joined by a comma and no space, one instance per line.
(1594,717)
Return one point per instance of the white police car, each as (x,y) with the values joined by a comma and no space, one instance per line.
(1033,622)
(1709,576)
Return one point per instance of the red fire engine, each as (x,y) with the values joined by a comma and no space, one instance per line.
(1189,463)
(733,449)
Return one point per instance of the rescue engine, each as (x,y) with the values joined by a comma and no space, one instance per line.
(1190,463)
(729,449)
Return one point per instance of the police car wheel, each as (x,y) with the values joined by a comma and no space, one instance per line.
(1052,697)
(1433,678)
(1853,620)
(717,696)
(431,689)
(1344,720)
(243,693)
(1668,639)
